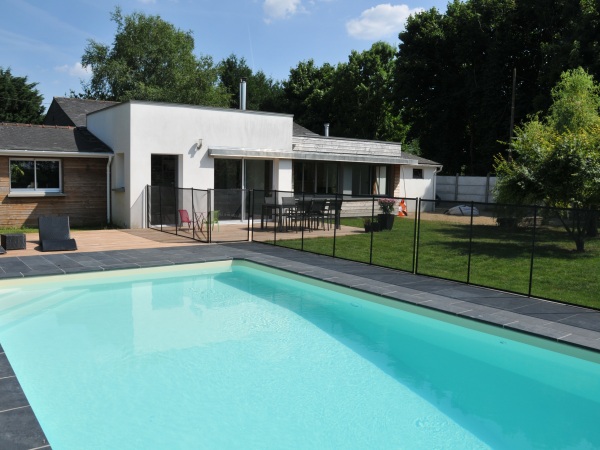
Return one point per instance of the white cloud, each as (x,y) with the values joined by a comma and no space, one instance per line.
(75,70)
(281,9)
(381,21)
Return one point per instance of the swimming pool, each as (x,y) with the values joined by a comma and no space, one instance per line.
(230,356)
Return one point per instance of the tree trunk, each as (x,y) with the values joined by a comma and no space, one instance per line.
(580,244)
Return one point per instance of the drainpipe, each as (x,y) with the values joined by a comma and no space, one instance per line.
(108,191)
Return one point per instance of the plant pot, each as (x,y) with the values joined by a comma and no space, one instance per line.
(369,227)
(386,221)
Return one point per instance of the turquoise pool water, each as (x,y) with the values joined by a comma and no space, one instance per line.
(231,357)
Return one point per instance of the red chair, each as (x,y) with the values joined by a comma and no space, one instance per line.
(185,218)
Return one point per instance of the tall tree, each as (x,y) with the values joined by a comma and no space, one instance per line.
(306,94)
(150,59)
(263,94)
(354,97)
(454,71)
(361,99)
(20,101)
(449,85)
(557,158)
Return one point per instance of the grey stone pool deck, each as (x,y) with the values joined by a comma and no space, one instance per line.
(577,326)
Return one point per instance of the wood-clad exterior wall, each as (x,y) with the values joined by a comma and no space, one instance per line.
(83,199)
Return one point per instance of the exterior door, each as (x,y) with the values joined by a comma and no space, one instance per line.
(163,200)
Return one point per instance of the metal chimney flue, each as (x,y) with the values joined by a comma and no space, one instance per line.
(326,130)
(243,94)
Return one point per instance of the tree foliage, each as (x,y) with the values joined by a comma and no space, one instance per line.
(361,96)
(263,93)
(306,94)
(354,97)
(150,59)
(557,158)
(454,71)
(20,101)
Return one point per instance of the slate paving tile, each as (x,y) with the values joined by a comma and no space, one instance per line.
(13,266)
(582,341)
(21,430)
(540,330)
(549,311)
(11,394)
(43,272)
(586,320)
(508,303)
(82,269)
(5,367)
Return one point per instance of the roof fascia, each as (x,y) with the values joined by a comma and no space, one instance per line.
(55,154)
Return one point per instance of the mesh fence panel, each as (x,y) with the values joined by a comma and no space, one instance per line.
(560,271)
(545,252)
(394,246)
(501,248)
(443,241)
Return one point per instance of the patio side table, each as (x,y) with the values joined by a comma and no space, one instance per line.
(13,241)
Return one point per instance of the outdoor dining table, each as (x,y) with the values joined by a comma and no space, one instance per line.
(268,209)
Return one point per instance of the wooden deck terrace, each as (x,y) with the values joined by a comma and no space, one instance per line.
(123,239)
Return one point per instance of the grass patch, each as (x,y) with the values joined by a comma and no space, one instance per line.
(500,259)
(17,230)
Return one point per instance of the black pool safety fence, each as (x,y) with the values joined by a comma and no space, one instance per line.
(549,253)
(535,251)
(199,213)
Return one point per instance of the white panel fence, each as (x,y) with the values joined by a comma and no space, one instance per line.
(466,189)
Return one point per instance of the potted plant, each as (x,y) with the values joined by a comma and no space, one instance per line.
(370,225)
(386,218)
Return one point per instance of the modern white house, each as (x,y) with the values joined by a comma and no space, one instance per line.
(214,149)
(104,155)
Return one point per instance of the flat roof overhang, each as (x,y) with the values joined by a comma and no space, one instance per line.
(228,152)
(54,154)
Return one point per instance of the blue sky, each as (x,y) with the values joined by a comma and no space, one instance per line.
(44,40)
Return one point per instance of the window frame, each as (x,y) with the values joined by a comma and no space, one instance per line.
(35,189)
(418,174)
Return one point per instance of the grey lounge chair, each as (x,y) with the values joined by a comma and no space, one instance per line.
(55,234)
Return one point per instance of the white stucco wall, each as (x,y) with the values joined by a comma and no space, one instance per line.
(113,128)
(140,129)
(408,187)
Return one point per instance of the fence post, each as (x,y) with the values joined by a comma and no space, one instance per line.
(160,207)
(175,193)
(372,219)
(148,193)
(470,245)
(275,217)
(208,214)
(535,210)
(250,216)
(415,233)
(302,221)
(456,180)
(335,213)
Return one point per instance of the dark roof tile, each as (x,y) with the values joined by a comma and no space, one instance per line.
(17,136)
(66,111)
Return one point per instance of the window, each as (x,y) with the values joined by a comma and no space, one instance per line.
(418,174)
(315,177)
(35,175)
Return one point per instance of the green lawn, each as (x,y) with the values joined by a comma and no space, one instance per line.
(18,230)
(499,258)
